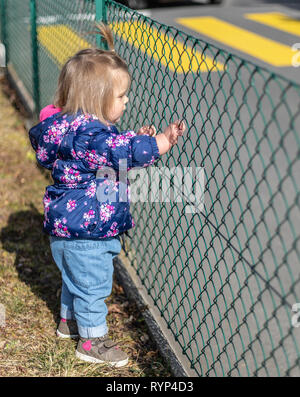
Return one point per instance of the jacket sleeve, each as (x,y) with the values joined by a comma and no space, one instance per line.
(46,149)
(107,149)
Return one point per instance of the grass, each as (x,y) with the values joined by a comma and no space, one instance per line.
(30,283)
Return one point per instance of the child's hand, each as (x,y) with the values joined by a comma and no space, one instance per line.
(147,130)
(174,130)
(169,137)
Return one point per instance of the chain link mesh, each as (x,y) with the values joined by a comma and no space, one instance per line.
(225,278)
(17,25)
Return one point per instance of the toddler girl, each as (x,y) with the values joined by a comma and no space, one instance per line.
(77,140)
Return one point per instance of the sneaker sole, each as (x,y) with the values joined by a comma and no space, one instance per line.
(66,336)
(90,359)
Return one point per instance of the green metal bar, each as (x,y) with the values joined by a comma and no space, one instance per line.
(3,28)
(101,17)
(35,61)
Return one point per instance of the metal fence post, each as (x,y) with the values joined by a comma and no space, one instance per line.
(35,60)
(3,27)
(101,17)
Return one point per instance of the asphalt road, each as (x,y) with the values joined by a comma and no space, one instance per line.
(233,12)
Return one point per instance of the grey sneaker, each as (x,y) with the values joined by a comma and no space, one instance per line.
(67,329)
(101,350)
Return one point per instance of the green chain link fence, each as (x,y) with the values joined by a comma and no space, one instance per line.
(225,279)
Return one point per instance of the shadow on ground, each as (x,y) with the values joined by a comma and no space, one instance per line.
(34,264)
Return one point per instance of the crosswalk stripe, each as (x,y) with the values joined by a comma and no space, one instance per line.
(164,49)
(260,47)
(61,42)
(277,20)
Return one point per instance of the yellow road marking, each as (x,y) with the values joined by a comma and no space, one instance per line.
(278,21)
(259,47)
(61,42)
(172,54)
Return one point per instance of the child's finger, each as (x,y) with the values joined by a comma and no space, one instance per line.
(152,130)
(181,126)
(143,130)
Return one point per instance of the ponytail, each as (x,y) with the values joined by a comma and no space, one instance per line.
(106,32)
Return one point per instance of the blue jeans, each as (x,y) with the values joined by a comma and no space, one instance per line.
(87,273)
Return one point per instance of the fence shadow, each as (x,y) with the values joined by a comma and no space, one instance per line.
(34,264)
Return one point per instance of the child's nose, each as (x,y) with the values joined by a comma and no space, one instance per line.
(126,99)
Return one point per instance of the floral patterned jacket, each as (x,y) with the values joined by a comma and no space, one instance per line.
(89,196)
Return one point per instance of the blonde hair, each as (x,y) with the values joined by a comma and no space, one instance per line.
(88,79)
